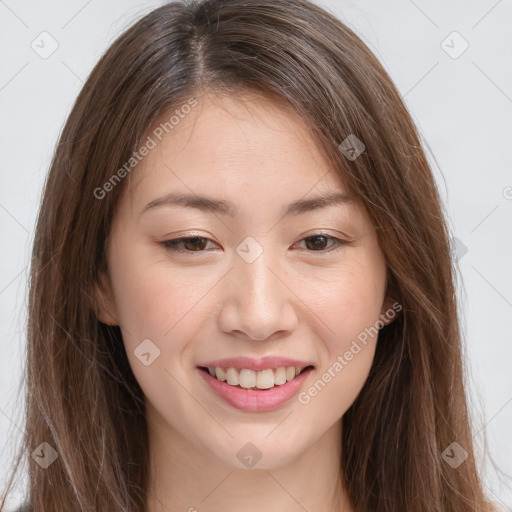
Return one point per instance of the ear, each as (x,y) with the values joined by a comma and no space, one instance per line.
(389,311)
(104,301)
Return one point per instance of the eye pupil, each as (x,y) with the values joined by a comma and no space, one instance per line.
(315,238)
(193,242)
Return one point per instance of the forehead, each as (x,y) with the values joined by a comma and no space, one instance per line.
(238,144)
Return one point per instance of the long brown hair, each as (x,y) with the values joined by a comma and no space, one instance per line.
(82,398)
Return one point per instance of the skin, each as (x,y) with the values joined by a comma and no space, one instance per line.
(296,300)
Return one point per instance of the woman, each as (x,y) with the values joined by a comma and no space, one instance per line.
(242,292)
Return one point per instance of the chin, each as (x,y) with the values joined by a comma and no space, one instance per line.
(255,453)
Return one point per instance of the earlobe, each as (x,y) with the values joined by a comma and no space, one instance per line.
(104,301)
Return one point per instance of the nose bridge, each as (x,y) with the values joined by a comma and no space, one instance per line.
(258,298)
(259,287)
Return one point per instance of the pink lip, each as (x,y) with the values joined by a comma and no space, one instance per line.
(255,364)
(256,400)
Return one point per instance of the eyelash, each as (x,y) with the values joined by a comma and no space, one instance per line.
(171,245)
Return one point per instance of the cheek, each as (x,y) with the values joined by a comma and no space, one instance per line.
(156,314)
(152,301)
(348,307)
(349,300)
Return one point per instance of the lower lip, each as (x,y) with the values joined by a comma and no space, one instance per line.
(256,400)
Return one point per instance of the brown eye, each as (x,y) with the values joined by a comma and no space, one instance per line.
(190,244)
(197,244)
(317,243)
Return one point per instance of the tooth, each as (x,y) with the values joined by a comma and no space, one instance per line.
(232,376)
(247,378)
(280,376)
(265,379)
(221,374)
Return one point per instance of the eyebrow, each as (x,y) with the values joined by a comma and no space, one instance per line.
(220,206)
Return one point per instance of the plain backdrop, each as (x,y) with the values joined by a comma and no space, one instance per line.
(452,63)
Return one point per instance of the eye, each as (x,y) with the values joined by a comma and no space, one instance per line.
(192,244)
(317,241)
(197,244)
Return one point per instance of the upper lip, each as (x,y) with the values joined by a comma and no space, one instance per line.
(250,363)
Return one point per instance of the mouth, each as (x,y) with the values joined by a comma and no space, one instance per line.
(245,378)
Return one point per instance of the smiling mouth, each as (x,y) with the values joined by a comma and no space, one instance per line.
(244,378)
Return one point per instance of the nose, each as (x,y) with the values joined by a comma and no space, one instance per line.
(257,301)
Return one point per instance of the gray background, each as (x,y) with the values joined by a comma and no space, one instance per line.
(461,102)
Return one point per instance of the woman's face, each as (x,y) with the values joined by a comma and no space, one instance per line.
(262,279)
